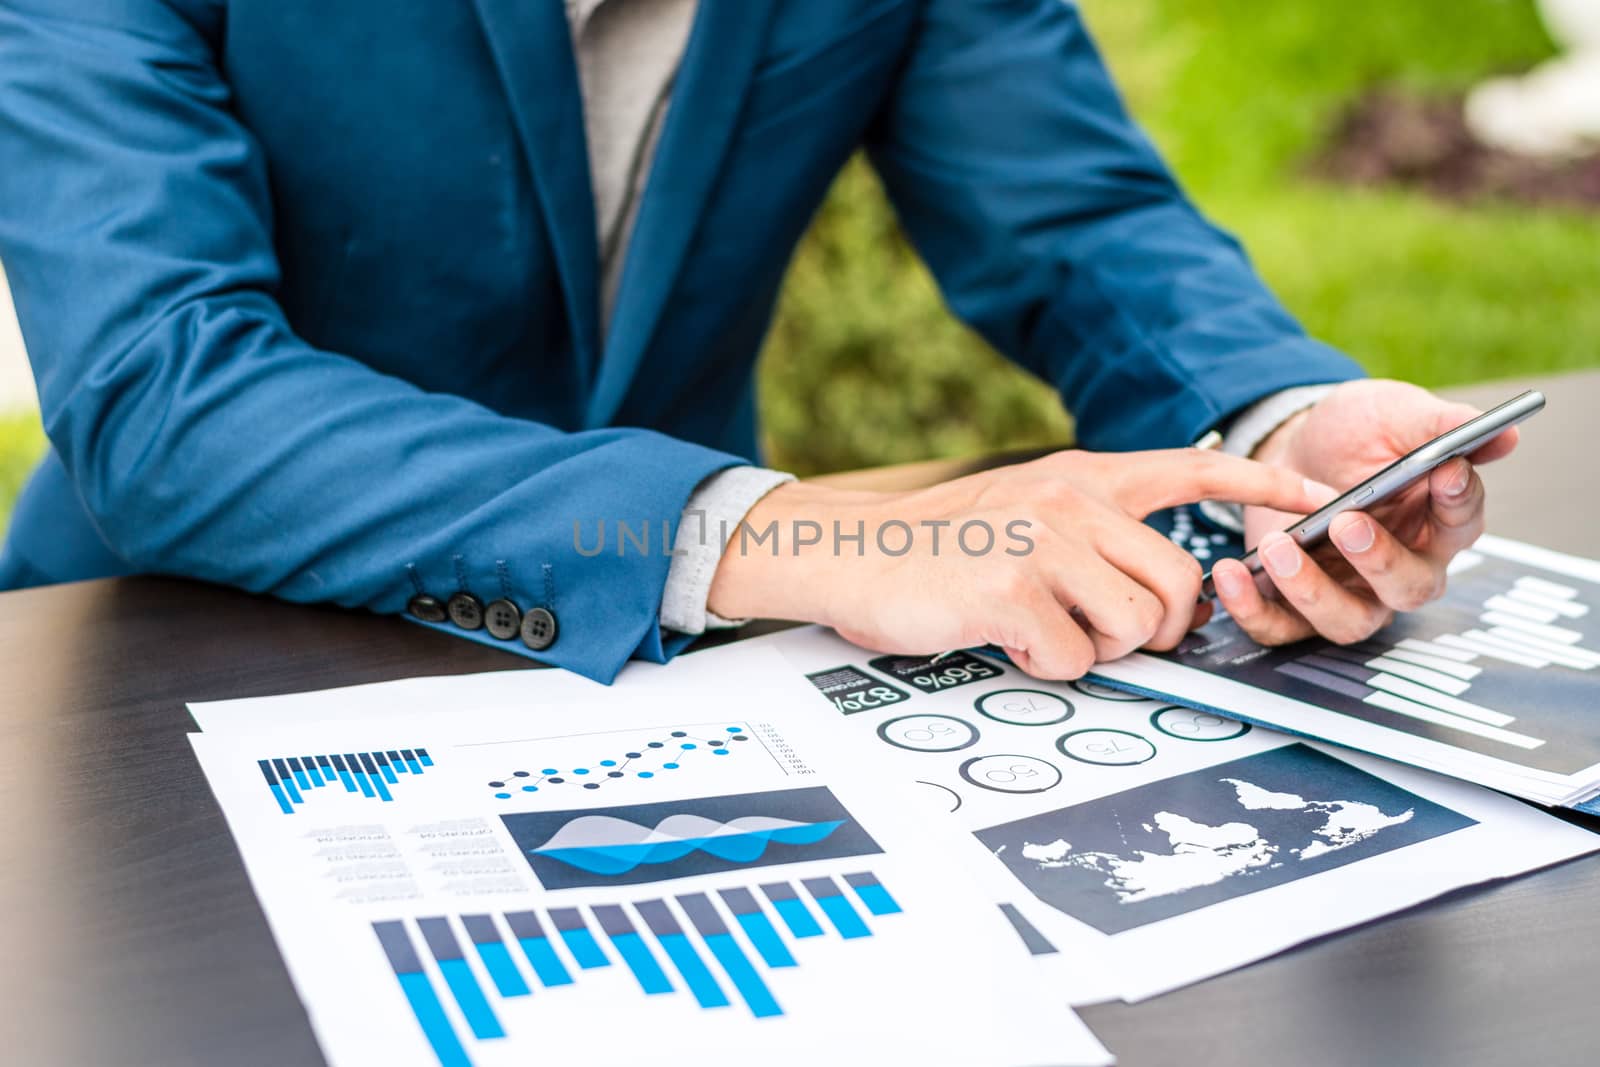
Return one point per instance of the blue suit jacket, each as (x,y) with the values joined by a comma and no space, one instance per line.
(310,287)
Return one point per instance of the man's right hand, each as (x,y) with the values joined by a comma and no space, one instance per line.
(1049,560)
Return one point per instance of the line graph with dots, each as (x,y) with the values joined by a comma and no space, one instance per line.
(643,758)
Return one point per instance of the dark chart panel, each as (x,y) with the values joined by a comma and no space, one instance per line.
(635,843)
(1505,665)
(1167,848)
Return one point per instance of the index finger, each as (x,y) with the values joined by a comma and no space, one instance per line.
(1174,476)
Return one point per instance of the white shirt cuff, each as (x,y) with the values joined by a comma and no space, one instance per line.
(709,520)
(1253,426)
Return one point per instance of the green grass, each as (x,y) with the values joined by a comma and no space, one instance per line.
(865,367)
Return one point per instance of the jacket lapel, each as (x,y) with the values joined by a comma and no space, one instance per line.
(707,97)
(532,47)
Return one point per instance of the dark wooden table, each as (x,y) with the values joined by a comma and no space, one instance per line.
(129,934)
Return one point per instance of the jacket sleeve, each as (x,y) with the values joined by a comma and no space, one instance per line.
(208,440)
(1056,231)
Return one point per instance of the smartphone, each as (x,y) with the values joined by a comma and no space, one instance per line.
(1468,437)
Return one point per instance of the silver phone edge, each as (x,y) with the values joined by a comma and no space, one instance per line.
(1516,410)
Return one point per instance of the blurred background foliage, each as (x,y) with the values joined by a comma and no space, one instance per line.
(21,444)
(865,366)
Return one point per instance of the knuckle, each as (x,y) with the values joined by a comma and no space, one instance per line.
(1060,495)
(1414,597)
(1265,629)
(1108,648)
(1353,626)
(1381,562)
(1344,632)
(1247,610)
(1186,580)
(1076,659)
(1014,585)
(1306,596)
(1147,614)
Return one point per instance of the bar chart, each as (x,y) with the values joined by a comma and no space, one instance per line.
(292,779)
(713,950)
(1502,666)
(1429,680)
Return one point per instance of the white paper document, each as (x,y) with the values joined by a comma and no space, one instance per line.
(1498,683)
(528,867)
(1160,844)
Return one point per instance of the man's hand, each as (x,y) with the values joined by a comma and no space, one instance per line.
(1049,560)
(1391,560)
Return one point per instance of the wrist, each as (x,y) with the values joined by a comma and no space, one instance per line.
(1278,446)
(781,563)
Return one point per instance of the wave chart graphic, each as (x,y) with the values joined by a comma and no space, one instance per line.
(606,845)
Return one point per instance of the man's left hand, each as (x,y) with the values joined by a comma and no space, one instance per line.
(1374,564)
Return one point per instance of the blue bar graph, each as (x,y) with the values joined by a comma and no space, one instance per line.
(286,779)
(683,945)
(485,937)
(757,927)
(631,947)
(872,893)
(792,910)
(746,979)
(293,779)
(420,994)
(360,775)
(344,774)
(542,957)
(371,767)
(459,977)
(676,944)
(831,899)
(586,951)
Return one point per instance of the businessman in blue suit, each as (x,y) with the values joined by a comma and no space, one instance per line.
(404,306)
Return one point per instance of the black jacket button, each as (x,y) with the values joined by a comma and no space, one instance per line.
(466,611)
(427,608)
(503,618)
(539,629)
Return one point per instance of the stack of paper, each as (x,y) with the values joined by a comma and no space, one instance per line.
(792,850)
(1161,843)
(1497,683)
(539,869)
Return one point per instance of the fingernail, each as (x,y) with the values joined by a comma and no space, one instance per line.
(1358,536)
(1282,556)
(1457,483)
(1227,582)
(1318,493)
